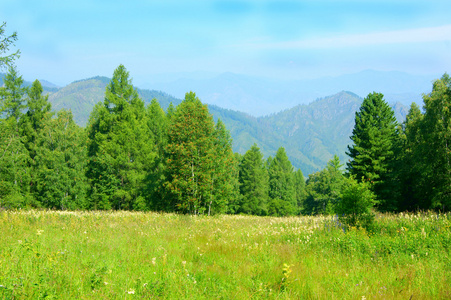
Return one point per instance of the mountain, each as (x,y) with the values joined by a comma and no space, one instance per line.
(262,96)
(310,133)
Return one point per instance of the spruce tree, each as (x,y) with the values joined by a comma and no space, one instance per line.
(372,152)
(436,132)
(253,179)
(282,192)
(158,124)
(60,164)
(225,176)
(120,147)
(190,156)
(12,95)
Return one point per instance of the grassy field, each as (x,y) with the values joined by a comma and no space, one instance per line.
(128,255)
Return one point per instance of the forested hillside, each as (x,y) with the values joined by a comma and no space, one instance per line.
(311,134)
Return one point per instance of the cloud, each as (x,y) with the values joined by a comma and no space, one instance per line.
(419,35)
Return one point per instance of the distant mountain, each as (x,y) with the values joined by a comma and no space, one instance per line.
(261,96)
(311,134)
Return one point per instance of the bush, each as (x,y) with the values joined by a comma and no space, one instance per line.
(355,206)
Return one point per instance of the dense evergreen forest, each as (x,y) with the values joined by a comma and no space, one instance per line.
(136,157)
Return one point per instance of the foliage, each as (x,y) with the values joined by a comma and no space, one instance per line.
(436,133)
(282,190)
(5,43)
(12,95)
(372,152)
(61,164)
(190,157)
(253,180)
(356,203)
(323,189)
(120,146)
(15,173)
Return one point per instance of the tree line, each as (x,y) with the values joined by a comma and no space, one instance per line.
(136,157)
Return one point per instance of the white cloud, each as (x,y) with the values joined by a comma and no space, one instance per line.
(419,35)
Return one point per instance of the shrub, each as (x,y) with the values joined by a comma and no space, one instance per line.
(355,206)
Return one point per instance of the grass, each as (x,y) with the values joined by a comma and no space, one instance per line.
(127,255)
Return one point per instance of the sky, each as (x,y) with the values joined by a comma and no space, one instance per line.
(64,41)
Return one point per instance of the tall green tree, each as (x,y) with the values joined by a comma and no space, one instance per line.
(61,164)
(372,152)
(15,171)
(411,167)
(158,125)
(120,147)
(436,131)
(38,112)
(12,95)
(6,58)
(253,180)
(225,176)
(299,186)
(323,189)
(190,156)
(282,192)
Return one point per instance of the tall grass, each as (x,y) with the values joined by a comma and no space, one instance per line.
(126,255)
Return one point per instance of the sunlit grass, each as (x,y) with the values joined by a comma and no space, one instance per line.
(125,255)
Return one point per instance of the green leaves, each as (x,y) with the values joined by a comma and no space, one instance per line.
(120,148)
(372,152)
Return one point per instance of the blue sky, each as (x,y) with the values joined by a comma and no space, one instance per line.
(63,41)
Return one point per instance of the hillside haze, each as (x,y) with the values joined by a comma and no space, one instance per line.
(263,96)
(310,133)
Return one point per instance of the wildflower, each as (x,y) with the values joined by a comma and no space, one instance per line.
(39,232)
(131,291)
(154,260)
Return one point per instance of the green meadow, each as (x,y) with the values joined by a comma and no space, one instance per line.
(132,255)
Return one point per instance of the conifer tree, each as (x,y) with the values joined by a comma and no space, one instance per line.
(225,175)
(282,191)
(12,95)
(323,189)
(60,164)
(157,123)
(15,171)
(372,151)
(190,155)
(38,112)
(436,132)
(253,183)
(299,186)
(120,147)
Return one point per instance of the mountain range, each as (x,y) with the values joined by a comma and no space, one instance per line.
(310,133)
(262,96)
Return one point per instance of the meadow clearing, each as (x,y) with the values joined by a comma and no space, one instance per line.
(128,255)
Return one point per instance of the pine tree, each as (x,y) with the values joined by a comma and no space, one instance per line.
(157,123)
(323,189)
(436,131)
(15,171)
(282,191)
(190,155)
(372,151)
(5,43)
(120,147)
(38,112)
(411,166)
(253,183)
(299,185)
(60,164)
(12,95)
(225,175)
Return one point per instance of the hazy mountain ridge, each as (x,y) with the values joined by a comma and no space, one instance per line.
(262,96)
(311,134)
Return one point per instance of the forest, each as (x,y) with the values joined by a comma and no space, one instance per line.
(136,157)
